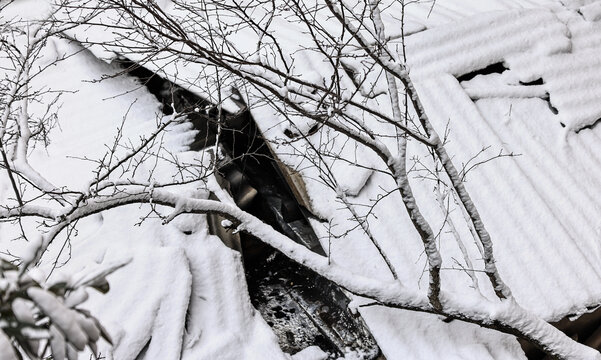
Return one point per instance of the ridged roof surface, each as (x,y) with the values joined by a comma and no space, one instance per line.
(530,125)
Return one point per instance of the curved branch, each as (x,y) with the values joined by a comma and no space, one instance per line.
(400,72)
(506,316)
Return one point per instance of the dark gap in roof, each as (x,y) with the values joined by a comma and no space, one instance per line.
(553,109)
(154,83)
(302,307)
(588,127)
(204,120)
(249,163)
(538,81)
(496,68)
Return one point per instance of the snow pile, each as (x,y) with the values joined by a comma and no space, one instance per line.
(183,291)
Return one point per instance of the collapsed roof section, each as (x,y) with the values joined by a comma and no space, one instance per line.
(540,205)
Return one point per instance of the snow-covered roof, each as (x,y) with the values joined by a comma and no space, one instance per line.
(541,205)
(539,199)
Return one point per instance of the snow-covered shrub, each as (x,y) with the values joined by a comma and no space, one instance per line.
(38,321)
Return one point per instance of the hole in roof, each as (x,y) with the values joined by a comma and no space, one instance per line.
(589,127)
(287,295)
(496,68)
(551,107)
(536,82)
(290,134)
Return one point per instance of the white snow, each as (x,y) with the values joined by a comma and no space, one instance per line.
(541,207)
(171,275)
(6,348)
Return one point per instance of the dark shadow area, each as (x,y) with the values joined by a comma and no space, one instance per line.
(589,127)
(302,307)
(496,68)
(499,68)
(536,82)
(551,107)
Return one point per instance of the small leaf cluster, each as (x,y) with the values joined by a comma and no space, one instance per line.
(38,322)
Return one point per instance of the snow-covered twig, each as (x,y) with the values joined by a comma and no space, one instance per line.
(400,165)
(506,316)
(399,71)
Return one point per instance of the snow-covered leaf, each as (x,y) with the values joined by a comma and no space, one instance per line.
(23,310)
(61,316)
(6,348)
(57,343)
